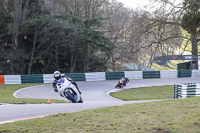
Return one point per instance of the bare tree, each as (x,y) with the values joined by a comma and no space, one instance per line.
(162,30)
(118,26)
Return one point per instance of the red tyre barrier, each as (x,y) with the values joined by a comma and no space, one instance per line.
(2,81)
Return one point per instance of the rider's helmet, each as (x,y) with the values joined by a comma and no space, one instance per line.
(57,75)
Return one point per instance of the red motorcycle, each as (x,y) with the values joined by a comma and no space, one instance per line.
(122,82)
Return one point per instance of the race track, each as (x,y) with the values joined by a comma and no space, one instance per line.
(95,95)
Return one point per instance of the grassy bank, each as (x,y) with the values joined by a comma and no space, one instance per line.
(6,95)
(169,116)
(146,93)
(171,65)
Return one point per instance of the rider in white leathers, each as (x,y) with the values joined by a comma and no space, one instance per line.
(57,76)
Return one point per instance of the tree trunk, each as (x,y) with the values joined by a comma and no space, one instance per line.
(194,52)
(71,68)
(25,9)
(32,52)
(85,59)
(15,54)
(151,59)
(56,58)
(73,62)
(113,64)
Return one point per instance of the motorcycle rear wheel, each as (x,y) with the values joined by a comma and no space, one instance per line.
(81,100)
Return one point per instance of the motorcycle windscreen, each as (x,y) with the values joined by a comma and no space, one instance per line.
(61,81)
(60,84)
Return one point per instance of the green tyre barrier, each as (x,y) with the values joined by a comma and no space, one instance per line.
(186,90)
(32,78)
(76,76)
(114,75)
(151,74)
(184,73)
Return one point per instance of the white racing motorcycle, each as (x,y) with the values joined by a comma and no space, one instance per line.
(69,90)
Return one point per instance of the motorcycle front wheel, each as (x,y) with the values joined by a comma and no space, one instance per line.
(116,86)
(70,97)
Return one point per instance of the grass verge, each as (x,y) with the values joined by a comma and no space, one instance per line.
(146,93)
(6,95)
(168,116)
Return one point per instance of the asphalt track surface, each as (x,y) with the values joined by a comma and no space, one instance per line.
(94,94)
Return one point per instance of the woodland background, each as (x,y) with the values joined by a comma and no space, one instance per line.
(72,36)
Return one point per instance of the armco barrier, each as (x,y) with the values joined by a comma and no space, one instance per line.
(114,75)
(186,90)
(133,74)
(76,76)
(12,79)
(96,76)
(168,74)
(32,78)
(151,74)
(184,73)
